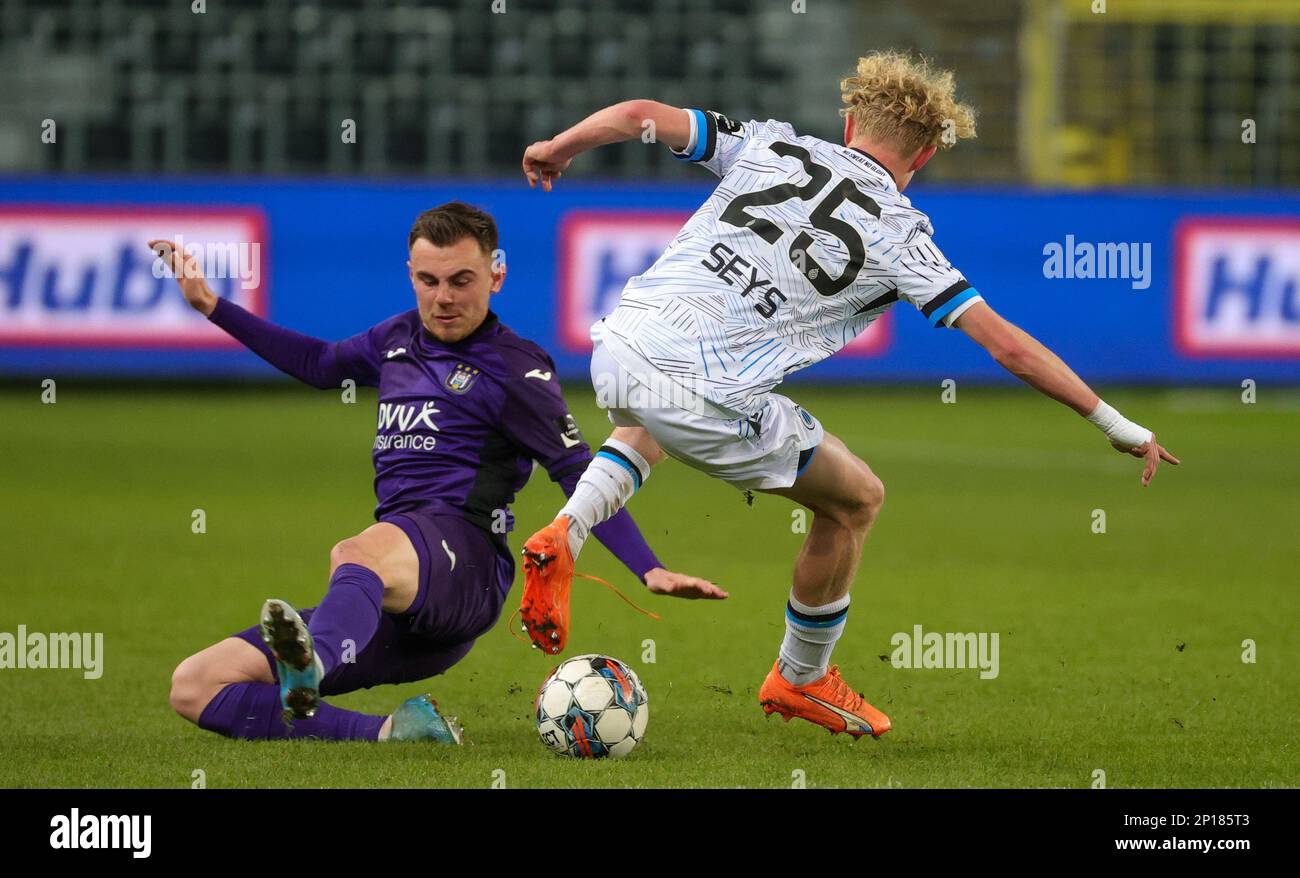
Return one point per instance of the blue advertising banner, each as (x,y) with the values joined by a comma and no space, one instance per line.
(1159,287)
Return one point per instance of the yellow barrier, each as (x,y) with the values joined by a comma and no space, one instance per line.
(1186,11)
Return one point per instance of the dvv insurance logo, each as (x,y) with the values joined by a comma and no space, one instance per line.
(83,276)
(601,249)
(1237,287)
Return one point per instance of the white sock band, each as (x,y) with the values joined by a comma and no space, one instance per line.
(608,484)
(810,636)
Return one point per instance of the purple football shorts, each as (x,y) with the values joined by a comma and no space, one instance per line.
(465,575)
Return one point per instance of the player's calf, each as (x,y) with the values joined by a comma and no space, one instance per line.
(845,497)
(228,688)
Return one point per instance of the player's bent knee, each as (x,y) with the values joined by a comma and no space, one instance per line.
(644,443)
(191,690)
(873,493)
(385,550)
(351,551)
(858,511)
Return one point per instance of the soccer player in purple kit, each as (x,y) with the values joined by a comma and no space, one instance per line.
(465,407)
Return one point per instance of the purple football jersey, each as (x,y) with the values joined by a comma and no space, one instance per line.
(460,424)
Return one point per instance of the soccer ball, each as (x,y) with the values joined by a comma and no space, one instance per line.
(592,706)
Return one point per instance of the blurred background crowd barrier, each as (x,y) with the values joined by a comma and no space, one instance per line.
(1161,136)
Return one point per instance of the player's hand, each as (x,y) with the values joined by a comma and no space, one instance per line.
(1151,451)
(543,162)
(189,276)
(679,585)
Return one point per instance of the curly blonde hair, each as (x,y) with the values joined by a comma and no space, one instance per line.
(905,103)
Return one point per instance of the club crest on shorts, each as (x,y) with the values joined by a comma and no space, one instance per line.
(807,418)
(461,378)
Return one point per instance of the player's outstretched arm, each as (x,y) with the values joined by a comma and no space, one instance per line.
(310,360)
(621,535)
(1029,360)
(546,160)
(682,585)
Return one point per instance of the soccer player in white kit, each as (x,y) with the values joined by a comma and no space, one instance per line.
(802,245)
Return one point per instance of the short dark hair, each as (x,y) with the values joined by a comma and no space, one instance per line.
(448,223)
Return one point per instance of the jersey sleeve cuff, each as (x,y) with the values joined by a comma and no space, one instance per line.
(942,305)
(703,136)
(951,317)
(220,312)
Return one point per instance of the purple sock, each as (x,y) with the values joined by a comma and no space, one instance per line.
(252,711)
(350,610)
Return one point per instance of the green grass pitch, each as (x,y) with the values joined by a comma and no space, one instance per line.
(1119,652)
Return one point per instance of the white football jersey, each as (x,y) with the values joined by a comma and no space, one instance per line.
(800,248)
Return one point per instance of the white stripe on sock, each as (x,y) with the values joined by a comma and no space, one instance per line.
(806,650)
(642,465)
(605,487)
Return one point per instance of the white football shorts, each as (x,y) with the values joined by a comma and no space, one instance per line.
(768,449)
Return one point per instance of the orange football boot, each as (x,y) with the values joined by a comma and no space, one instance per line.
(828,702)
(548,573)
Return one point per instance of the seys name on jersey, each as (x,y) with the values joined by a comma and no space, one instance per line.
(736,271)
(728,264)
(405,425)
